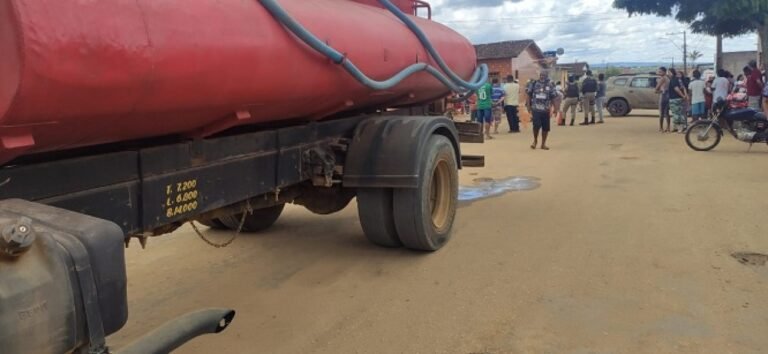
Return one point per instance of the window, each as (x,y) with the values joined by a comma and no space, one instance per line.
(620,82)
(641,82)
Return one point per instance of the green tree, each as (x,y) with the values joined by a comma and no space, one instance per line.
(614,71)
(714,17)
(694,56)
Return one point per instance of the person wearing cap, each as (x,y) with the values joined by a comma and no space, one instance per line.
(541,93)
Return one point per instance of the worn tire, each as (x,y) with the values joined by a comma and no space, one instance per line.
(424,215)
(258,220)
(214,223)
(374,207)
(689,136)
(618,107)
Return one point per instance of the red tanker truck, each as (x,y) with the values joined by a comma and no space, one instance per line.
(125,119)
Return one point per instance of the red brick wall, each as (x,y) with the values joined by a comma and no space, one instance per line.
(502,67)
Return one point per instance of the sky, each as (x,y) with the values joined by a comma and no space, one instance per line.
(588,30)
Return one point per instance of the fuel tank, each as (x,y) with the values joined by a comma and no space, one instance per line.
(82,73)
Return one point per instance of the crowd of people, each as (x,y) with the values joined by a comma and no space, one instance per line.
(543,100)
(681,97)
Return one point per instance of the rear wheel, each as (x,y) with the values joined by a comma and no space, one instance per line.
(258,220)
(618,107)
(703,136)
(374,206)
(424,215)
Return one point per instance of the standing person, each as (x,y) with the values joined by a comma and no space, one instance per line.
(571,98)
(589,91)
(485,108)
(676,98)
(557,103)
(601,88)
(765,93)
(698,100)
(497,96)
(722,87)
(709,91)
(662,88)
(754,86)
(512,103)
(731,80)
(686,103)
(473,108)
(540,96)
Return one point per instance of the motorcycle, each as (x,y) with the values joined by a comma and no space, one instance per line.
(744,124)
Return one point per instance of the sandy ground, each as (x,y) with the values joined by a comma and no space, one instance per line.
(625,248)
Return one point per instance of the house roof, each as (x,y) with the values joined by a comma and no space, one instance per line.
(506,49)
(578,68)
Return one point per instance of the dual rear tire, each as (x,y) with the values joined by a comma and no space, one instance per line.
(418,218)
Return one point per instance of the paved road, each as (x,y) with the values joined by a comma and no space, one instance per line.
(626,247)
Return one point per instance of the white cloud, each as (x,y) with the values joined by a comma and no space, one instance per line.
(588,30)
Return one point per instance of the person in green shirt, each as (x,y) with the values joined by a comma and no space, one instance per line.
(484,108)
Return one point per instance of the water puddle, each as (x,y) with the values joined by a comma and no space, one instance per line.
(488,187)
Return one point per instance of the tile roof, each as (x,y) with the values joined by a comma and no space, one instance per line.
(506,49)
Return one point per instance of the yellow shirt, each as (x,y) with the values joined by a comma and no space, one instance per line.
(512,90)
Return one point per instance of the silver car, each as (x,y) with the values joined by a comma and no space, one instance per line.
(631,91)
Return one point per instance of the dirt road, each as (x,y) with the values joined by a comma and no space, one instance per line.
(625,248)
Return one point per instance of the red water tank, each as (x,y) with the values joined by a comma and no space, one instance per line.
(81,73)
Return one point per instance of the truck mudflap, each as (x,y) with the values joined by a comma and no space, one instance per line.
(385,151)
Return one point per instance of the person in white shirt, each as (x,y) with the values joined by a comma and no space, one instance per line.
(696,89)
(721,86)
(511,103)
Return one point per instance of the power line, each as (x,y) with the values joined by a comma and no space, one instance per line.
(525,24)
(530,17)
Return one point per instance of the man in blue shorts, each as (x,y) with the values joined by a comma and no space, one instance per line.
(484,108)
(540,96)
(698,99)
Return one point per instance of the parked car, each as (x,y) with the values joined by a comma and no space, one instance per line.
(631,91)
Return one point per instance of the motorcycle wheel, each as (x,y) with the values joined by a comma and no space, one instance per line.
(703,136)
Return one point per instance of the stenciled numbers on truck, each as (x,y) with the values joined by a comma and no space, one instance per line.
(181,198)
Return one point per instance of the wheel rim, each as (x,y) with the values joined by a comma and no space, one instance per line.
(440,195)
(616,108)
(702,136)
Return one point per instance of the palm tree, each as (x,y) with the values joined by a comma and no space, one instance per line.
(694,56)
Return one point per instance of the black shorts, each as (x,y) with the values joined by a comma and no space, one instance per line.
(541,121)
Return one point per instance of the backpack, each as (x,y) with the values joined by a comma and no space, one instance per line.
(572,91)
(589,85)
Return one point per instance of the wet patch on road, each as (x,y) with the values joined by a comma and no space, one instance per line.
(488,187)
(615,147)
(751,259)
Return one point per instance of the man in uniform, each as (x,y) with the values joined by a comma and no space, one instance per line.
(571,98)
(589,89)
(540,96)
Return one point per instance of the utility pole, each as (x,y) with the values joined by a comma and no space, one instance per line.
(685,53)
(685,49)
